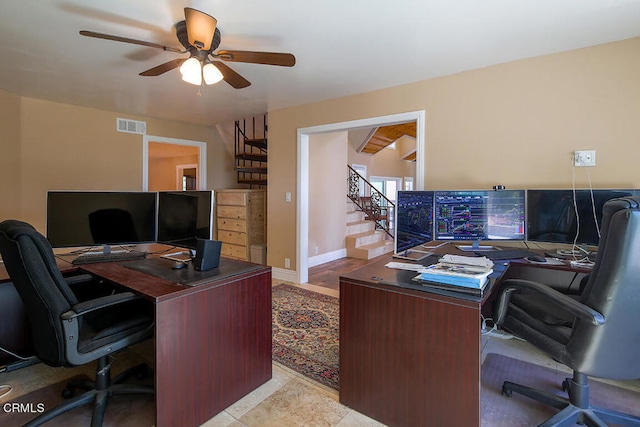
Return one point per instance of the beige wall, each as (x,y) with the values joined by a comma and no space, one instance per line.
(9,154)
(327,192)
(162,172)
(514,124)
(64,147)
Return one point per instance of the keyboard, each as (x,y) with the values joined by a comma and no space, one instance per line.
(507,254)
(89,258)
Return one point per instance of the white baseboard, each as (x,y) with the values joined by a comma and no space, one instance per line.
(327,257)
(284,274)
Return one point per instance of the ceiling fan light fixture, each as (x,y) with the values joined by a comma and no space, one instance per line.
(191,71)
(211,73)
(200,28)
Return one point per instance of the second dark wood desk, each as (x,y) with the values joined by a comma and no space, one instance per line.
(212,341)
(410,357)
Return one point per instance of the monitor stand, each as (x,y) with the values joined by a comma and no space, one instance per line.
(105,249)
(474,247)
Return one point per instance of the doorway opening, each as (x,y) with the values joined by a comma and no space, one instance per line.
(302,207)
(187,177)
(170,164)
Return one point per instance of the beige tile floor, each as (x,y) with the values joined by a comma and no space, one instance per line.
(290,399)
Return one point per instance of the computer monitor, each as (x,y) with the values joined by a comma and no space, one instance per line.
(91,218)
(184,216)
(475,215)
(414,219)
(567,216)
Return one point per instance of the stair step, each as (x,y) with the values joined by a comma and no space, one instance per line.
(251,169)
(366,238)
(355,216)
(257,142)
(371,251)
(252,157)
(360,227)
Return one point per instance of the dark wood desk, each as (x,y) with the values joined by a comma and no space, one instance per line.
(410,357)
(212,341)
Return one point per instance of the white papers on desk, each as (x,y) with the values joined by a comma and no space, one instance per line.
(467,260)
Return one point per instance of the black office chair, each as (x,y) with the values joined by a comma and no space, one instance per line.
(602,339)
(68,332)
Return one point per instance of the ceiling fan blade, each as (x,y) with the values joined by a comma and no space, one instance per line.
(163,68)
(267,58)
(200,28)
(128,40)
(231,77)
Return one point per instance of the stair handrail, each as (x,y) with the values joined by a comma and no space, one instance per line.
(379,209)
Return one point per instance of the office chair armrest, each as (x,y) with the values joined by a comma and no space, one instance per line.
(572,306)
(85,307)
(80,278)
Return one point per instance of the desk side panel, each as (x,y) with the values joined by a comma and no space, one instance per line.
(407,360)
(212,348)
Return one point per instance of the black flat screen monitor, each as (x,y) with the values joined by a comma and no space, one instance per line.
(414,219)
(557,216)
(479,215)
(184,216)
(90,218)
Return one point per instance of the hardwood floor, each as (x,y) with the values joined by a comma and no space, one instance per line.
(328,274)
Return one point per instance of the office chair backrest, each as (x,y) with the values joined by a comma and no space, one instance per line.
(30,262)
(612,350)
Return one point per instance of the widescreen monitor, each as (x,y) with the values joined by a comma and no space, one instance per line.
(476,215)
(91,218)
(184,216)
(567,215)
(414,219)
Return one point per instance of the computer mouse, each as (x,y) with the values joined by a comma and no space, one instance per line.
(178,265)
(536,258)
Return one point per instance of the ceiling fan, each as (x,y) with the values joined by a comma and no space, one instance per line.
(200,37)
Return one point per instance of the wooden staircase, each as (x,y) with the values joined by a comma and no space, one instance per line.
(363,241)
(251,151)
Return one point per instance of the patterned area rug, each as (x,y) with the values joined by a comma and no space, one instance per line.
(306,334)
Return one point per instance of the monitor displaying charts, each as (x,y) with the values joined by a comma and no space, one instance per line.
(475,215)
(414,219)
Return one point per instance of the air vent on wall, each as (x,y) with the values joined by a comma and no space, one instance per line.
(131,126)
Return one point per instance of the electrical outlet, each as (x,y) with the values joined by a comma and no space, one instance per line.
(584,158)
(287,263)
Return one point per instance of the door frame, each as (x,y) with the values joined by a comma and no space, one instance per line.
(180,173)
(202,158)
(302,173)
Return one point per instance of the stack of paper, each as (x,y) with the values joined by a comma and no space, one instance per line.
(465,272)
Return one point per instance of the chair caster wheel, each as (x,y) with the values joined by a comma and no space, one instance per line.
(68,392)
(506,391)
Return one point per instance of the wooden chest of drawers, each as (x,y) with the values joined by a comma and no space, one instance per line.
(241,221)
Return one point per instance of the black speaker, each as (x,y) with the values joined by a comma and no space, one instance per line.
(207,254)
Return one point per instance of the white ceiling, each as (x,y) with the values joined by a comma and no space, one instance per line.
(342,47)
